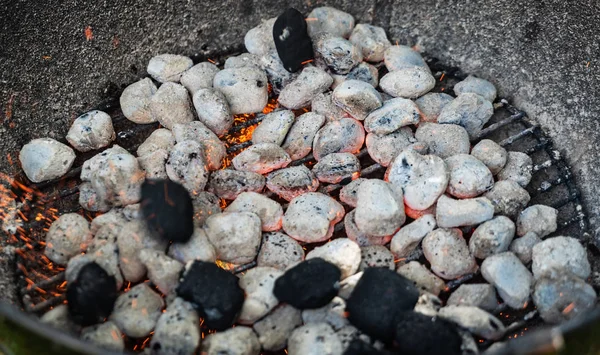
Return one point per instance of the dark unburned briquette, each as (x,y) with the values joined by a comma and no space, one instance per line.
(293,44)
(418,334)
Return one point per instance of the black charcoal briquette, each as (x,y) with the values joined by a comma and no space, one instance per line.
(291,40)
(360,347)
(418,334)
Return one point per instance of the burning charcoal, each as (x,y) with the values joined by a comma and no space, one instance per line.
(171,104)
(332,314)
(422,178)
(409,236)
(298,93)
(467,212)
(261,158)
(376,256)
(345,135)
(259,40)
(187,165)
(349,193)
(444,140)
(428,304)
(476,295)
(469,177)
(311,217)
(91,297)
(538,219)
(299,139)
(424,279)
(372,41)
(329,20)
(364,72)
(342,252)
(243,60)
(258,284)
(448,253)
(400,57)
(154,164)
(409,83)
(310,284)
(510,277)
(359,237)
(235,236)
(393,115)
(168,67)
(560,254)
(269,211)
(384,148)
(135,101)
(89,200)
(228,183)
(137,311)
(293,44)
(162,270)
(68,236)
(278,76)
(274,127)
(45,159)
(213,110)
(106,336)
(378,299)
(279,251)
(110,219)
(200,76)
(508,198)
(492,237)
(563,297)
(430,105)
(523,247)
(322,104)
(244,88)
(468,110)
(106,255)
(314,339)
(348,284)
(477,86)
(177,330)
(292,182)
(197,248)
(275,329)
(356,97)
(475,320)
(213,148)
(205,204)
(491,154)
(416,214)
(339,54)
(420,334)
(379,208)
(160,139)
(59,318)
(518,168)
(90,131)
(336,167)
(235,341)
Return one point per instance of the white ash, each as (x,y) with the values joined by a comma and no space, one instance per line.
(200,76)
(492,237)
(477,295)
(275,329)
(475,320)
(444,140)
(244,88)
(205,205)
(177,330)
(90,131)
(68,236)
(137,311)
(269,211)
(278,76)
(214,149)
(510,277)
(262,158)
(274,127)
(235,235)
(135,101)
(327,19)
(110,219)
(558,255)
(468,110)
(422,178)
(371,40)
(349,193)
(258,284)
(448,253)
(299,140)
(428,304)
(161,138)
(187,165)
(213,110)
(350,333)
(508,198)
(171,104)
(376,256)
(359,237)
(491,154)
(234,341)
(518,168)
(401,57)
(364,72)
(154,164)
(357,97)
(424,279)
(163,271)
(347,285)
(259,40)
(466,212)
(106,256)
(332,314)
(343,253)
(168,67)
(58,317)
(538,219)
(477,86)
(379,208)
(322,104)
(197,248)
(408,237)
(131,212)
(243,60)
(469,177)
(106,336)
(385,147)
(279,251)
(336,167)
(409,83)
(394,114)
(431,104)
(523,247)
(300,92)
(132,237)
(292,182)
(339,54)
(229,183)
(345,135)
(44,159)
(314,339)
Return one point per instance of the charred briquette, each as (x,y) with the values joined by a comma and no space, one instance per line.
(311,284)
(168,210)
(214,292)
(418,334)
(379,297)
(293,44)
(360,347)
(91,297)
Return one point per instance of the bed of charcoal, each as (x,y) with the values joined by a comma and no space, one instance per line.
(323,192)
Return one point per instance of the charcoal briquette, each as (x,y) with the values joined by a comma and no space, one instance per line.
(291,40)
(360,347)
(91,297)
(418,334)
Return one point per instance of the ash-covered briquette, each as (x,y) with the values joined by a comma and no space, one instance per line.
(418,334)
(168,210)
(292,42)
(310,284)
(378,298)
(91,297)
(360,347)
(214,292)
